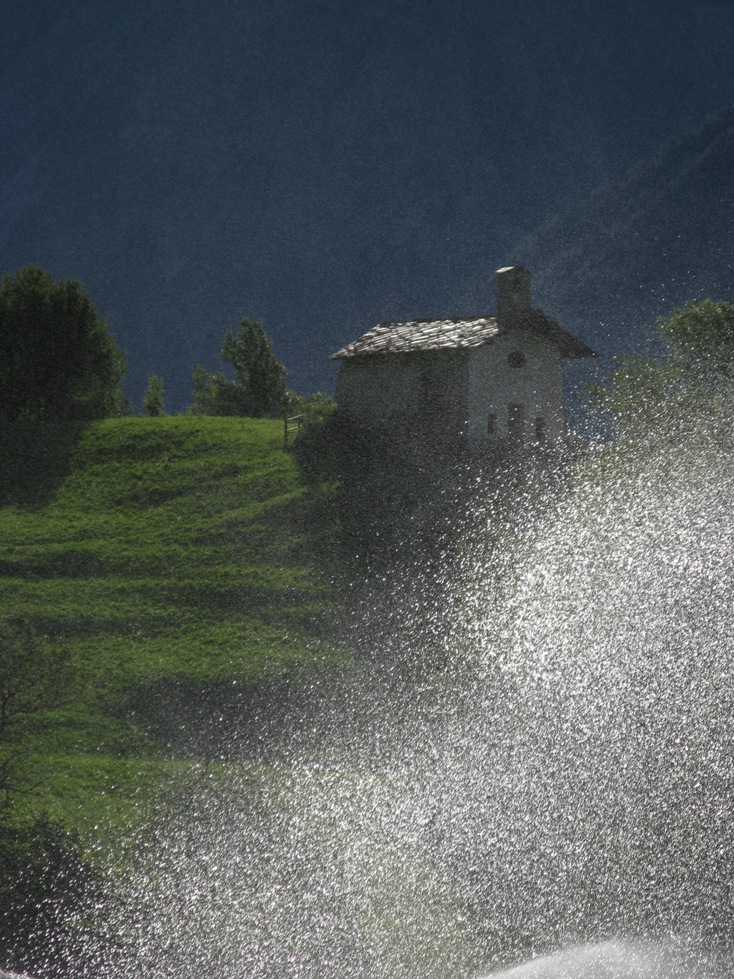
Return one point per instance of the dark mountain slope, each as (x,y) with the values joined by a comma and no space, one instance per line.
(323,164)
(638,247)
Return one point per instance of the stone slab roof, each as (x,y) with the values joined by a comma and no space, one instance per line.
(458,334)
(414,335)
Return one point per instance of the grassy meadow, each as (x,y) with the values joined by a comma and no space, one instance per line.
(180,561)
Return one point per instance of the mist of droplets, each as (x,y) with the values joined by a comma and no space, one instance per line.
(561,776)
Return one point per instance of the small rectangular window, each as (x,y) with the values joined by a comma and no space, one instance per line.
(539,429)
(516,422)
(492,424)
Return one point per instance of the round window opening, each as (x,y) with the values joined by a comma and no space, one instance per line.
(516,359)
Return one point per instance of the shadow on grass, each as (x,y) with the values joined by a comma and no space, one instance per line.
(223,720)
(36,459)
(401,496)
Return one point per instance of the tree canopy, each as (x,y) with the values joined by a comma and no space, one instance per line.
(58,359)
(650,396)
(153,400)
(258,388)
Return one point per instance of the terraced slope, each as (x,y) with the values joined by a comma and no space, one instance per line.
(175,558)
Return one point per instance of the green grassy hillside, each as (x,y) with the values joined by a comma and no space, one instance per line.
(176,559)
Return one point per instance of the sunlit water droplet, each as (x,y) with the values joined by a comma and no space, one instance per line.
(620,960)
(569,778)
(565,780)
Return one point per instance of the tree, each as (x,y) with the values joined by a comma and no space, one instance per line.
(58,359)
(258,388)
(56,909)
(671,395)
(53,901)
(702,336)
(250,353)
(153,402)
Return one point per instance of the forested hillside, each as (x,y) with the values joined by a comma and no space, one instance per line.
(637,247)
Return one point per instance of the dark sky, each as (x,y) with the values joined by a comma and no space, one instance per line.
(318,164)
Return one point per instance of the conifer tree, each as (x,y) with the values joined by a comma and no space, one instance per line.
(258,388)
(153,401)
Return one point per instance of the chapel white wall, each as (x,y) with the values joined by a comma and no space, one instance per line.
(494,385)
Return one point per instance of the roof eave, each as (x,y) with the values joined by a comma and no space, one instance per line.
(345,354)
(536,321)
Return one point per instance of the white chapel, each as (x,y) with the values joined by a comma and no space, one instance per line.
(491,377)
